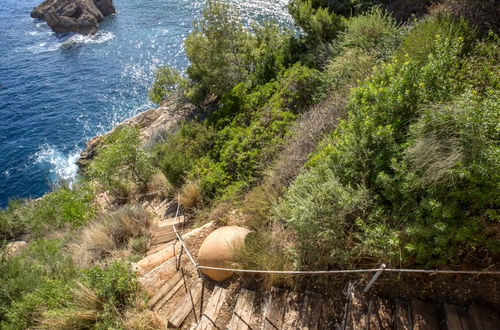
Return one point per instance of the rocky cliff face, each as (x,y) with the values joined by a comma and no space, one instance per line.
(80,16)
(150,123)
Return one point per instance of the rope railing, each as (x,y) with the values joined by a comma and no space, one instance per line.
(343,271)
(378,271)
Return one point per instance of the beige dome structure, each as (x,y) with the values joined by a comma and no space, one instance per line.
(217,250)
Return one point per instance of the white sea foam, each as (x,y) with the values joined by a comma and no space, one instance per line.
(98,38)
(62,166)
(52,44)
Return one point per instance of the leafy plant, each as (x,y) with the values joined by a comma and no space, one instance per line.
(167,81)
(120,161)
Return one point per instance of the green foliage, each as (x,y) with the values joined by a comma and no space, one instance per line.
(420,41)
(452,166)
(12,223)
(229,150)
(400,180)
(121,160)
(374,31)
(249,143)
(368,39)
(321,209)
(167,82)
(178,156)
(319,23)
(116,285)
(218,49)
(46,270)
(61,208)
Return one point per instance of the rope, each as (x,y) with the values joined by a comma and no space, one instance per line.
(180,238)
(343,271)
(338,271)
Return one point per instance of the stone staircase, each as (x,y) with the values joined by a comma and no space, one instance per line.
(177,294)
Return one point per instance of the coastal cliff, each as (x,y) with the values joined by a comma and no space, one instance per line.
(79,16)
(150,123)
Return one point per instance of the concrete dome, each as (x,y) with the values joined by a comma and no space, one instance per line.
(217,250)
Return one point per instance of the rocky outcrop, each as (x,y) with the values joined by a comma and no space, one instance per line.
(80,16)
(151,123)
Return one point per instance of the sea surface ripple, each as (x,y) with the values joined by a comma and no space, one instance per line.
(57,91)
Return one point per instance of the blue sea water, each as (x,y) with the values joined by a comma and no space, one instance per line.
(57,91)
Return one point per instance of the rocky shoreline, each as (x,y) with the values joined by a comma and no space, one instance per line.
(79,16)
(152,123)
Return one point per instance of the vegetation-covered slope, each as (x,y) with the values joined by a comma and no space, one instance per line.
(357,141)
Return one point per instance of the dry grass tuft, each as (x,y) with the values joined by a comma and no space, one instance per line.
(159,183)
(88,306)
(143,320)
(190,196)
(269,250)
(111,233)
(308,132)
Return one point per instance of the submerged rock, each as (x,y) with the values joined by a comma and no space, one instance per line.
(80,16)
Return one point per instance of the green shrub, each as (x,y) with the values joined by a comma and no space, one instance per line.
(453,166)
(320,209)
(376,190)
(375,31)
(121,160)
(319,23)
(12,220)
(62,208)
(43,268)
(178,155)
(167,82)
(218,49)
(420,41)
(116,286)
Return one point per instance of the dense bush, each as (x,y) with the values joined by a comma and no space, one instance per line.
(62,208)
(121,161)
(46,270)
(167,82)
(42,288)
(380,184)
(179,154)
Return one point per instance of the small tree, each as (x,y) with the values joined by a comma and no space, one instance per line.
(121,160)
(167,81)
(219,49)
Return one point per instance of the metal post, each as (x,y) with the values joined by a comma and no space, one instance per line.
(374,278)
(178,261)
